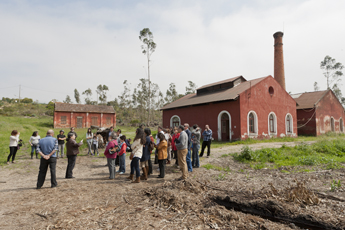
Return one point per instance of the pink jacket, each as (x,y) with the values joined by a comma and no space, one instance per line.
(110,146)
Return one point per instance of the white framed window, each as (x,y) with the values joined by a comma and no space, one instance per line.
(175,121)
(289,124)
(272,123)
(252,123)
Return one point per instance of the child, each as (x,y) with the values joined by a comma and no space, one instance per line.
(122,154)
(95,145)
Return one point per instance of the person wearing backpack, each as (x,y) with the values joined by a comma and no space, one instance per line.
(146,154)
(111,154)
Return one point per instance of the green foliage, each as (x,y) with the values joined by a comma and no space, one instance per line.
(221,177)
(215,167)
(102,93)
(76,96)
(146,36)
(335,185)
(191,88)
(67,100)
(246,154)
(26,100)
(88,94)
(50,109)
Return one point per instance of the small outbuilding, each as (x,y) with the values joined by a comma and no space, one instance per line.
(319,112)
(82,116)
(237,109)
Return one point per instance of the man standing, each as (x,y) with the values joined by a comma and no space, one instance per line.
(160,130)
(207,135)
(110,132)
(182,144)
(72,131)
(47,148)
(196,135)
(189,134)
(61,141)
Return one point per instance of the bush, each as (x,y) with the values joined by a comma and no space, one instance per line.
(246,154)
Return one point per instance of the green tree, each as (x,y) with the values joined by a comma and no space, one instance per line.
(171,94)
(26,100)
(191,88)
(316,86)
(102,93)
(88,94)
(332,70)
(148,48)
(67,100)
(76,96)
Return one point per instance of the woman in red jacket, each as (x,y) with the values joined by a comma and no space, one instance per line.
(173,146)
(122,154)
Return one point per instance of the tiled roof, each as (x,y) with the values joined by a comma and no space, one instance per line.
(65,107)
(221,82)
(224,95)
(309,99)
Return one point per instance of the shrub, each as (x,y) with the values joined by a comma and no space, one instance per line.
(246,154)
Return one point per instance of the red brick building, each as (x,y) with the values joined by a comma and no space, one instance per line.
(82,116)
(318,113)
(237,109)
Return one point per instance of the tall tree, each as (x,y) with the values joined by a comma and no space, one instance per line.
(316,86)
(171,94)
(76,96)
(332,70)
(148,48)
(88,94)
(191,88)
(102,93)
(67,100)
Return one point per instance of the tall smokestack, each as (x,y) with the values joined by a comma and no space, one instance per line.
(279,74)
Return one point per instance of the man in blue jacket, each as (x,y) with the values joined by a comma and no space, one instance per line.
(47,148)
(207,135)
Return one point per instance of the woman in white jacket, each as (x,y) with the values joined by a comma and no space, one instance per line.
(137,152)
(14,138)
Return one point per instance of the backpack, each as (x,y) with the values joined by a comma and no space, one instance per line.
(151,146)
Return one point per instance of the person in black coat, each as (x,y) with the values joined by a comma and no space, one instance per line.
(146,154)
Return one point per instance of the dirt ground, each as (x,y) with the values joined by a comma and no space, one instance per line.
(241,198)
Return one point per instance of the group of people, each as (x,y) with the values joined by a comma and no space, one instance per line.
(181,143)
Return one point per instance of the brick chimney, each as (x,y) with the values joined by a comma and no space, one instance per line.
(279,73)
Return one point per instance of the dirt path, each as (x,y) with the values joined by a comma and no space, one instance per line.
(92,201)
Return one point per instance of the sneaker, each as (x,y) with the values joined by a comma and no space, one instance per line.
(8,162)
(118,171)
(13,162)
(122,173)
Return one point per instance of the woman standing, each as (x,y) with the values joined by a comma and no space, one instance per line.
(14,138)
(176,135)
(34,139)
(144,161)
(162,154)
(111,155)
(72,152)
(137,152)
(168,139)
(89,137)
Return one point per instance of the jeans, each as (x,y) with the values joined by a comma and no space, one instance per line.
(182,162)
(162,164)
(135,166)
(111,166)
(195,155)
(43,171)
(70,165)
(95,148)
(204,144)
(61,148)
(122,163)
(89,144)
(33,149)
(13,151)
(189,161)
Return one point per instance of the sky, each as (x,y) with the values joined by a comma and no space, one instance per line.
(52,47)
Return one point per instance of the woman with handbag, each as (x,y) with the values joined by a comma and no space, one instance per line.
(14,138)
(111,153)
(137,152)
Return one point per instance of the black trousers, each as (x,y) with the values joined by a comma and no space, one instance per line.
(13,151)
(162,164)
(156,157)
(51,162)
(150,166)
(175,157)
(204,144)
(70,165)
(117,161)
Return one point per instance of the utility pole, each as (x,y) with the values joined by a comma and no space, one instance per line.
(19,92)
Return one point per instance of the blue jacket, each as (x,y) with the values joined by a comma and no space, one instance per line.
(47,145)
(146,153)
(189,134)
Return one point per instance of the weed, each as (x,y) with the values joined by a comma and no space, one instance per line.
(335,185)
(221,177)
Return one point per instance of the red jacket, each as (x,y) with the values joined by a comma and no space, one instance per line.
(175,136)
(123,149)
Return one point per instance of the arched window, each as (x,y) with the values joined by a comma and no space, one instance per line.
(272,123)
(332,124)
(252,122)
(341,125)
(175,121)
(288,123)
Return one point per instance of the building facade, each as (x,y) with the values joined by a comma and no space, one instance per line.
(237,109)
(318,113)
(83,116)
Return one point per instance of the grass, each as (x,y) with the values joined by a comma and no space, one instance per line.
(327,153)
(27,125)
(215,167)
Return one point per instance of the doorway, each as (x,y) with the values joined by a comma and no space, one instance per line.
(79,122)
(224,126)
